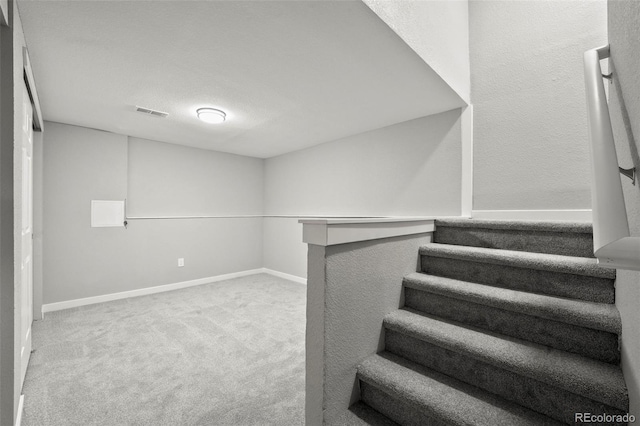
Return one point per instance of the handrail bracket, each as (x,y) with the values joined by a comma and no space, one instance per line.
(630,173)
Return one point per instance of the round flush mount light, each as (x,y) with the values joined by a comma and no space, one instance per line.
(211,115)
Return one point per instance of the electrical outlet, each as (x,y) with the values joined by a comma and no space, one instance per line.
(181,262)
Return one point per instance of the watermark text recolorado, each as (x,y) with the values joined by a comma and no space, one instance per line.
(604,418)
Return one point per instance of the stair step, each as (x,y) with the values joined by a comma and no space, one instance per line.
(563,238)
(546,380)
(411,394)
(538,261)
(520,225)
(360,414)
(599,316)
(564,276)
(586,328)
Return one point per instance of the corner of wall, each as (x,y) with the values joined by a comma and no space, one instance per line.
(466,184)
(438,31)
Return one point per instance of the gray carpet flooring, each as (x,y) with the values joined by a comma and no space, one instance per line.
(226,353)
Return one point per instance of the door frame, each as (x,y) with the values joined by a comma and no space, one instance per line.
(29,90)
(30,81)
(38,126)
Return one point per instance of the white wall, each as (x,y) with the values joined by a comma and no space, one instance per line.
(83,164)
(437,30)
(409,169)
(624,108)
(283,249)
(167,179)
(530,130)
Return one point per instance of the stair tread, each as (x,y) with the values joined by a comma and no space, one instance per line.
(443,397)
(360,414)
(587,377)
(540,261)
(598,316)
(517,225)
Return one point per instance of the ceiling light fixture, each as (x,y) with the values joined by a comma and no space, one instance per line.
(211,115)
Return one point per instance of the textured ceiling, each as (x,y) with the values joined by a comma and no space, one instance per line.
(289,74)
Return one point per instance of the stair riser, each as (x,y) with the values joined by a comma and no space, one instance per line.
(361,414)
(572,286)
(549,400)
(594,344)
(397,410)
(562,243)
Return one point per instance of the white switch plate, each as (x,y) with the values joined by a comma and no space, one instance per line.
(181,261)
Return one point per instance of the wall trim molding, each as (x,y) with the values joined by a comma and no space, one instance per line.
(74,303)
(256,216)
(329,232)
(577,215)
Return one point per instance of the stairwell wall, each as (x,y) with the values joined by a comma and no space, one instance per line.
(624,108)
(408,169)
(531,149)
(358,284)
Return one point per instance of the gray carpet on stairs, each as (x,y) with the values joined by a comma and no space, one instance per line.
(414,395)
(564,238)
(517,225)
(581,327)
(598,316)
(525,391)
(579,340)
(227,353)
(360,414)
(507,322)
(476,269)
(592,379)
(537,261)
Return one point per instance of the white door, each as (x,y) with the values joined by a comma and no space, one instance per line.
(26,224)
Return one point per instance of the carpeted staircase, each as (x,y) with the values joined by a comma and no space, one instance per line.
(508,323)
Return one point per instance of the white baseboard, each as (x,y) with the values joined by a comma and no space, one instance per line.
(289,277)
(50,307)
(58,306)
(20,409)
(581,215)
